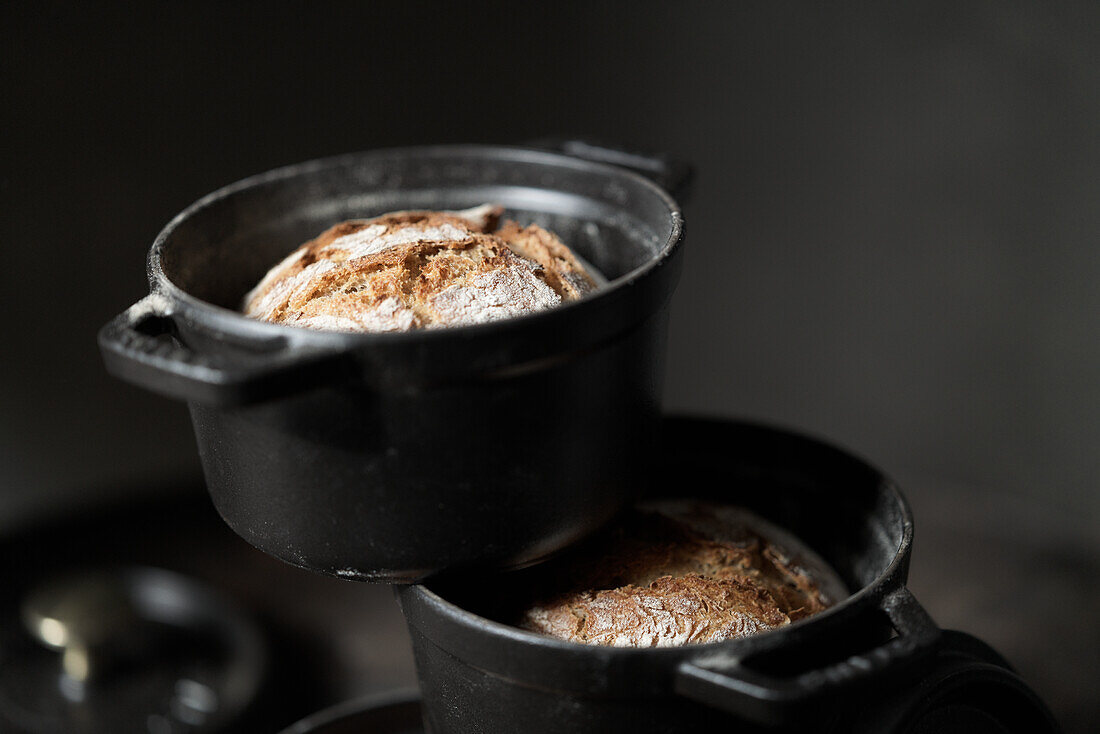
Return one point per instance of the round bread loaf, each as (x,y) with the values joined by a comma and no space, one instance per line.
(681,573)
(419,269)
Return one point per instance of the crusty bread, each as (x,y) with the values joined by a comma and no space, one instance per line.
(410,270)
(671,610)
(659,579)
(562,271)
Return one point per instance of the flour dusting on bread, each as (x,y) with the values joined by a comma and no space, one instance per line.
(419,269)
(676,573)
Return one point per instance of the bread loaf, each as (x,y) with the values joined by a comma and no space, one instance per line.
(684,573)
(419,269)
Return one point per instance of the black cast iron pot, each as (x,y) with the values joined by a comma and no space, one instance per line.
(389,457)
(875,662)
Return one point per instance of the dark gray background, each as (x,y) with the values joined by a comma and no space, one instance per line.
(892,240)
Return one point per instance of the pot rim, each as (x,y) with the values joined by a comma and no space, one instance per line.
(868,596)
(230,321)
(351,710)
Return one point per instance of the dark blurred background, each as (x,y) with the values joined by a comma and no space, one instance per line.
(892,237)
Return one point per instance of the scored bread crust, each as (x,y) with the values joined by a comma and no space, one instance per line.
(563,272)
(419,269)
(670,611)
(653,581)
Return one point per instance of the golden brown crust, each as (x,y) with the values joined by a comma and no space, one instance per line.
(670,611)
(416,269)
(654,581)
(563,271)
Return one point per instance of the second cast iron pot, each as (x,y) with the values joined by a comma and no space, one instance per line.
(875,662)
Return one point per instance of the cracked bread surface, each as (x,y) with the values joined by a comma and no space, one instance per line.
(670,611)
(419,269)
(690,574)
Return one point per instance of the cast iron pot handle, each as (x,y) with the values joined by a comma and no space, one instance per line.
(672,176)
(722,681)
(138,346)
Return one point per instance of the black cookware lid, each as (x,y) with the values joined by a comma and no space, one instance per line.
(128,649)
